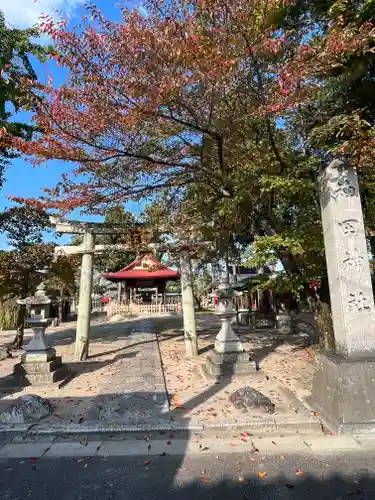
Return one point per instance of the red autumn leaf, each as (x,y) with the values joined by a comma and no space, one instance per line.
(244,440)
(299,472)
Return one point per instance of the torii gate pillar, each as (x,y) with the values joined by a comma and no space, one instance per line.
(84,304)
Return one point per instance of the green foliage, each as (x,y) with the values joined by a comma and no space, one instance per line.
(279,283)
(30,261)
(63,274)
(21,270)
(202,285)
(8,316)
(24,225)
(16,50)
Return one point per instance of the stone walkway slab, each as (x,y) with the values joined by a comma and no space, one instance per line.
(254,448)
(328,444)
(22,450)
(73,449)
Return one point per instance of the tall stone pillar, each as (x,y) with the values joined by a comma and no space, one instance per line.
(84,305)
(119,291)
(190,331)
(343,387)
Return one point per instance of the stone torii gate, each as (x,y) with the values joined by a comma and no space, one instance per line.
(89,230)
(88,249)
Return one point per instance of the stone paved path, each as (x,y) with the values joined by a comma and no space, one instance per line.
(136,392)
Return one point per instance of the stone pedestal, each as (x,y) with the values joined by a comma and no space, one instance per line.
(225,364)
(344,384)
(284,323)
(40,365)
(343,393)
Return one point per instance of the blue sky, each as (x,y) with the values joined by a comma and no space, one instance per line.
(21,178)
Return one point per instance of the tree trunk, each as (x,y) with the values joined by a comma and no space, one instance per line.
(61,305)
(198,302)
(323,318)
(18,340)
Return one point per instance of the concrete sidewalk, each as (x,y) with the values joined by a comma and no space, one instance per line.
(162,445)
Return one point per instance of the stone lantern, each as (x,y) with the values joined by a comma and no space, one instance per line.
(39,365)
(228,357)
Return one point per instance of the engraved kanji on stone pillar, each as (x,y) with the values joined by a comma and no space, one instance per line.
(348,268)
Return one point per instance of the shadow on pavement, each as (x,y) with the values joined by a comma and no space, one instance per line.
(164,477)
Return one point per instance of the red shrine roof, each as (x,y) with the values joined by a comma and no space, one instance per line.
(144,267)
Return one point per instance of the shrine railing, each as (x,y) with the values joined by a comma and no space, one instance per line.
(129,309)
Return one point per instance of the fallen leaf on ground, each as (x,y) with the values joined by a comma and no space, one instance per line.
(205,448)
(262,474)
(232,444)
(254,449)
(315,413)
(290,486)
(204,480)
(282,457)
(273,442)
(299,472)
(186,459)
(32,459)
(147,462)
(81,420)
(244,440)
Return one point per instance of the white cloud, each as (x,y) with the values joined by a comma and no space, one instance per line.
(26,13)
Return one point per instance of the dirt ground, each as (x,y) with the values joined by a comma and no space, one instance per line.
(289,360)
(192,395)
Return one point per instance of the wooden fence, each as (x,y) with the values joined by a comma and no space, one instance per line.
(129,309)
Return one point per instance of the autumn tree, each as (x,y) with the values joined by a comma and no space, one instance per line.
(226,109)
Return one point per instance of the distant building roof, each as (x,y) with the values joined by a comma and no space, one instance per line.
(144,267)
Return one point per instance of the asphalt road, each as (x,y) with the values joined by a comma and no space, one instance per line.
(225,477)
